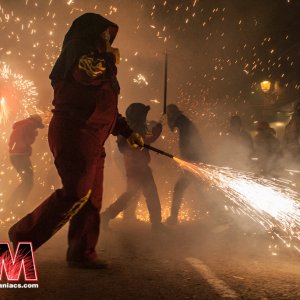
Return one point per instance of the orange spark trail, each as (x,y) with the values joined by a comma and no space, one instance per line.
(269,202)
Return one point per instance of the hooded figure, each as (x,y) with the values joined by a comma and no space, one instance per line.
(22,137)
(191,149)
(291,137)
(139,175)
(85,113)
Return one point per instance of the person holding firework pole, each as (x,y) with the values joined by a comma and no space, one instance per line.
(138,173)
(85,113)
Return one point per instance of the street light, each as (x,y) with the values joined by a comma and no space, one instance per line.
(265,86)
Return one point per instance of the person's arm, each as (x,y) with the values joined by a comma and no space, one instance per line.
(121,127)
(134,139)
(154,135)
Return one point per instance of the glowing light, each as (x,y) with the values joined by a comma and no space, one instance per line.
(4,111)
(140,79)
(26,89)
(265,86)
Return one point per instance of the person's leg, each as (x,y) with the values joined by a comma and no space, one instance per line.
(180,186)
(84,226)
(129,212)
(23,166)
(133,186)
(151,196)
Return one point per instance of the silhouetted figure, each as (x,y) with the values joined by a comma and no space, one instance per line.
(139,175)
(191,150)
(291,139)
(22,137)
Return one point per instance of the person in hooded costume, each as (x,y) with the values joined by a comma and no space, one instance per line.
(22,137)
(139,175)
(85,113)
(191,149)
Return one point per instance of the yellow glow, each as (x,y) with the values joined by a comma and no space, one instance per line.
(265,86)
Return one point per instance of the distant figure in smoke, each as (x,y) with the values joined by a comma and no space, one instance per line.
(238,145)
(291,143)
(291,137)
(85,113)
(266,148)
(138,172)
(22,137)
(191,150)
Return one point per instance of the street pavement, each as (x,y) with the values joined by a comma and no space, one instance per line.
(196,260)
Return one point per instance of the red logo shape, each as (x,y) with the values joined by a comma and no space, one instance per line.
(23,259)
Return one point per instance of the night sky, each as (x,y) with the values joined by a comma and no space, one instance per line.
(218,50)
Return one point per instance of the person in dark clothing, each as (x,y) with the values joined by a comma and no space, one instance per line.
(85,113)
(291,138)
(191,150)
(266,148)
(291,144)
(22,137)
(138,172)
(238,145)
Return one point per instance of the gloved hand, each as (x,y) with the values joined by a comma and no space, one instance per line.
(136,141)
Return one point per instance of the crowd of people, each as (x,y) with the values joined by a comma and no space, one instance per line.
(85,113)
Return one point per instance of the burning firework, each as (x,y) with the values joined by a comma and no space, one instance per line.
(270,203)
(4,111)
(20,98)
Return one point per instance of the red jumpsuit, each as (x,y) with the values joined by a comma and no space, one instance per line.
(85,114)
(22,137)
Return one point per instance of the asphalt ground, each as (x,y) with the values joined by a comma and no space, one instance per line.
(193,260)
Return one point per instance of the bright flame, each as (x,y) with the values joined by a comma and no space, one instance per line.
(4,111)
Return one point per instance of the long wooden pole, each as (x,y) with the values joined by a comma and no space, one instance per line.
(166,82)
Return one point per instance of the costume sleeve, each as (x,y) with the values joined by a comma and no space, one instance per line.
(90,69)
(121,127)
(154,135)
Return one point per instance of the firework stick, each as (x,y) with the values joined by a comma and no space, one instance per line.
(166,83)
(158,151)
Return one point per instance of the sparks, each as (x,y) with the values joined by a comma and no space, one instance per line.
(140,79)
(4,111)
(270,203)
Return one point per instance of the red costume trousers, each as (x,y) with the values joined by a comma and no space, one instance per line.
(79,159)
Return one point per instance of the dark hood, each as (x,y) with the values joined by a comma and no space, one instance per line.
(82,37)
(24,123)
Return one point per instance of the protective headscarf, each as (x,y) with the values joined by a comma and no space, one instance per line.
(84,35)
(136,115)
